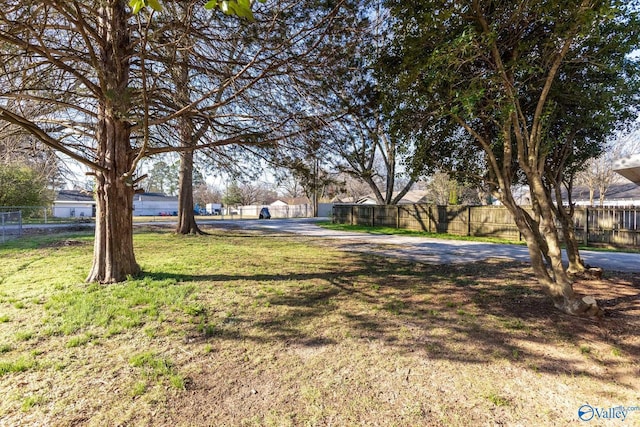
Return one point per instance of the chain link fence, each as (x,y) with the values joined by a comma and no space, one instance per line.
(31,214)
(10,225)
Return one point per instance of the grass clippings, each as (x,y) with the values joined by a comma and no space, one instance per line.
(244,328)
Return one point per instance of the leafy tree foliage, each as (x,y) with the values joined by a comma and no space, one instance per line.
(162,177)
(22,186)
(514,92)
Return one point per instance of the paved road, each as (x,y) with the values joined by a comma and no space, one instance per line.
(429,250)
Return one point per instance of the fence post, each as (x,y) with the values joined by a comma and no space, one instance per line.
(373,216)
(586,226)
(468,220)
(398,216)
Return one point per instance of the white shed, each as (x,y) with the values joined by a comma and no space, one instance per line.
(74,204)
(151,204)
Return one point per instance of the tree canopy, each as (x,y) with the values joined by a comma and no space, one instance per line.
(494,92)
(500,89)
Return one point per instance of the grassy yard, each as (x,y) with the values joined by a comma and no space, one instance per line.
(248,328)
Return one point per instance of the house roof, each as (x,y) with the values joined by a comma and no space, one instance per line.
(292,201)
(74,196)
(629,167)
(367,200)
(65,196)
(615,193)
(343,199)
(413,197)
(154,197)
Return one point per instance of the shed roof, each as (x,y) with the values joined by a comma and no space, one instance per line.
(74,196)
(155,197)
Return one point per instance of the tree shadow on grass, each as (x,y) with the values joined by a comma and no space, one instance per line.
(469,313)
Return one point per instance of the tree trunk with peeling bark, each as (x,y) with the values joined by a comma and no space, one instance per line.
(114,258)
(576,264)
(552,274)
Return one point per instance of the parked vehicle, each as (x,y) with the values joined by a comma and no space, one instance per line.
(264,214)
(213,208)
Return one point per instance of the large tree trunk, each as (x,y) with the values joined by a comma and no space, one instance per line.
(186,217)
(113,257)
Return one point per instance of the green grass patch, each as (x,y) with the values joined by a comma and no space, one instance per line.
(158,369)
(115,308)
(497,400)
(31,401)
(24,335)
(139,388)
(585,350)
(515,324)
(19,365)
(80,340)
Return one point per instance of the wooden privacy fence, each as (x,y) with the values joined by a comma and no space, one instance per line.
(619,226)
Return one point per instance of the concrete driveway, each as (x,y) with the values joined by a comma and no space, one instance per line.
(428,250)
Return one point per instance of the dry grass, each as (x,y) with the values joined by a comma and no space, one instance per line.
(242,328)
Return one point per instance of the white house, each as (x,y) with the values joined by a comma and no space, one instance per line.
(81,204)
(151,204)
(74,204)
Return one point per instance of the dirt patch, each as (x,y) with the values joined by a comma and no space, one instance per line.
(468,345)
(65,243)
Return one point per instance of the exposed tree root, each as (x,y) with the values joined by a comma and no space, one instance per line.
(586,306)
